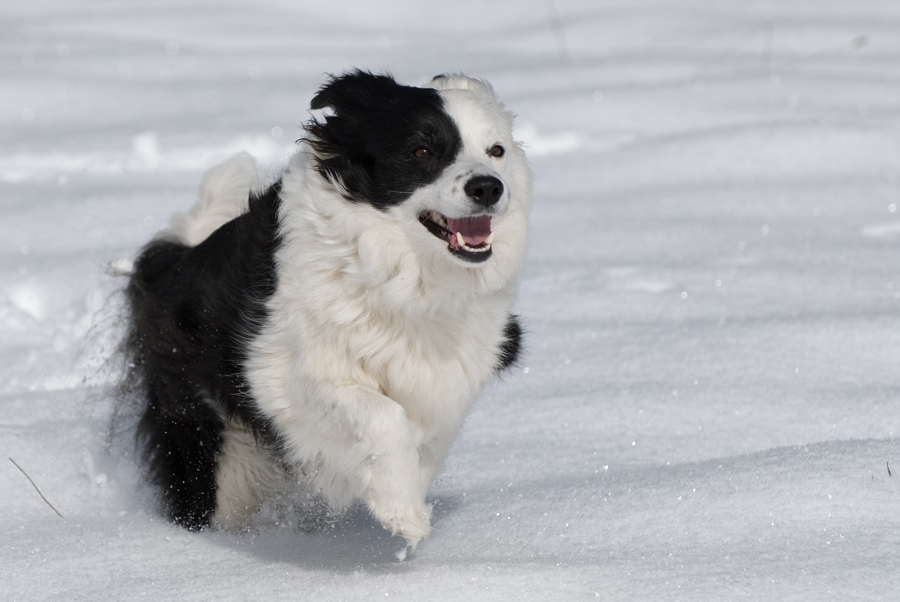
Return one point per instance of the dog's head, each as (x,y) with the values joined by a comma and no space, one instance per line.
(441,158)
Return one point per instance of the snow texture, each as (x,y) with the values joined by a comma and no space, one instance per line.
(707,403)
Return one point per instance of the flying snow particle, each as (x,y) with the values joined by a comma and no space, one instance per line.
(145,151)
(28,299)
(120,267)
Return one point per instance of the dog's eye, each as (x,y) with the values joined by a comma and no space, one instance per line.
(422,152)
(496,151)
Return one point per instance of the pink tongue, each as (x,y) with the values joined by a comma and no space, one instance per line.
(473,229)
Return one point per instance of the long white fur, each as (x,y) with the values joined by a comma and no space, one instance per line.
(378,338)
(224,193)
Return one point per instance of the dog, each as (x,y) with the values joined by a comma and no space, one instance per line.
(339,323)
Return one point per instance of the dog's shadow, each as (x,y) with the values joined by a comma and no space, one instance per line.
(353,542)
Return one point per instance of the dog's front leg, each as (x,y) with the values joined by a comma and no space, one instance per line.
(381,443)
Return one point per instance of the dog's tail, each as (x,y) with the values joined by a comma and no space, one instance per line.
(224,195)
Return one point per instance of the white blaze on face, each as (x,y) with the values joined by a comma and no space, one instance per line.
(450,223)
(482,123)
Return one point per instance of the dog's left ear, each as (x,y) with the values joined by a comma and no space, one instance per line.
(458,81)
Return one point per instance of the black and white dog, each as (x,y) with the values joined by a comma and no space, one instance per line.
(339,324)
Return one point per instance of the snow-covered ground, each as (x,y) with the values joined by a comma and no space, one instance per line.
(707,404)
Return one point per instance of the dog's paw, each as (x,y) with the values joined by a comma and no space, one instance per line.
(411,522)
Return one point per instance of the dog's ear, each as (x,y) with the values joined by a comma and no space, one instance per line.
(458,81)
(355,90)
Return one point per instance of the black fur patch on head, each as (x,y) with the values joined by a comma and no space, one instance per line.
(371,143)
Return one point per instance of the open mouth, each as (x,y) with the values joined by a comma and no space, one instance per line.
(468,238)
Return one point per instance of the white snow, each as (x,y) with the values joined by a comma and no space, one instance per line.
(733,442)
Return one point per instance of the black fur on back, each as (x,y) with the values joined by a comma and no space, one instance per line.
(192,309)
(368,143)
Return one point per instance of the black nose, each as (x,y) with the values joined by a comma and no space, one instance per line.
(484,190)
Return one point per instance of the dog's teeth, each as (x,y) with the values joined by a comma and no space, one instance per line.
(489,239)
(460,239)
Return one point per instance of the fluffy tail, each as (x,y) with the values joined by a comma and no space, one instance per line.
(224,195)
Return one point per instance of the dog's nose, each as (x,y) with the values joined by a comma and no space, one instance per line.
(484,190)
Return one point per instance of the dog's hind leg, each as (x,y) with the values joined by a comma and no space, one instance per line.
(181,438)
(246,474)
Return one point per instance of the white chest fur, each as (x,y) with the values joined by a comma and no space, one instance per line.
(374,348)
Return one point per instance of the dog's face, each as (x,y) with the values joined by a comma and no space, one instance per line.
(441,159)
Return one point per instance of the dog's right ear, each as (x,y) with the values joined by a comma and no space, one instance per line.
(353,90)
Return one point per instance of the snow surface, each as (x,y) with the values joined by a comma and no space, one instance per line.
(707,403)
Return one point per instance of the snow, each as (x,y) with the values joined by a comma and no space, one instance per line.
(707,403)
